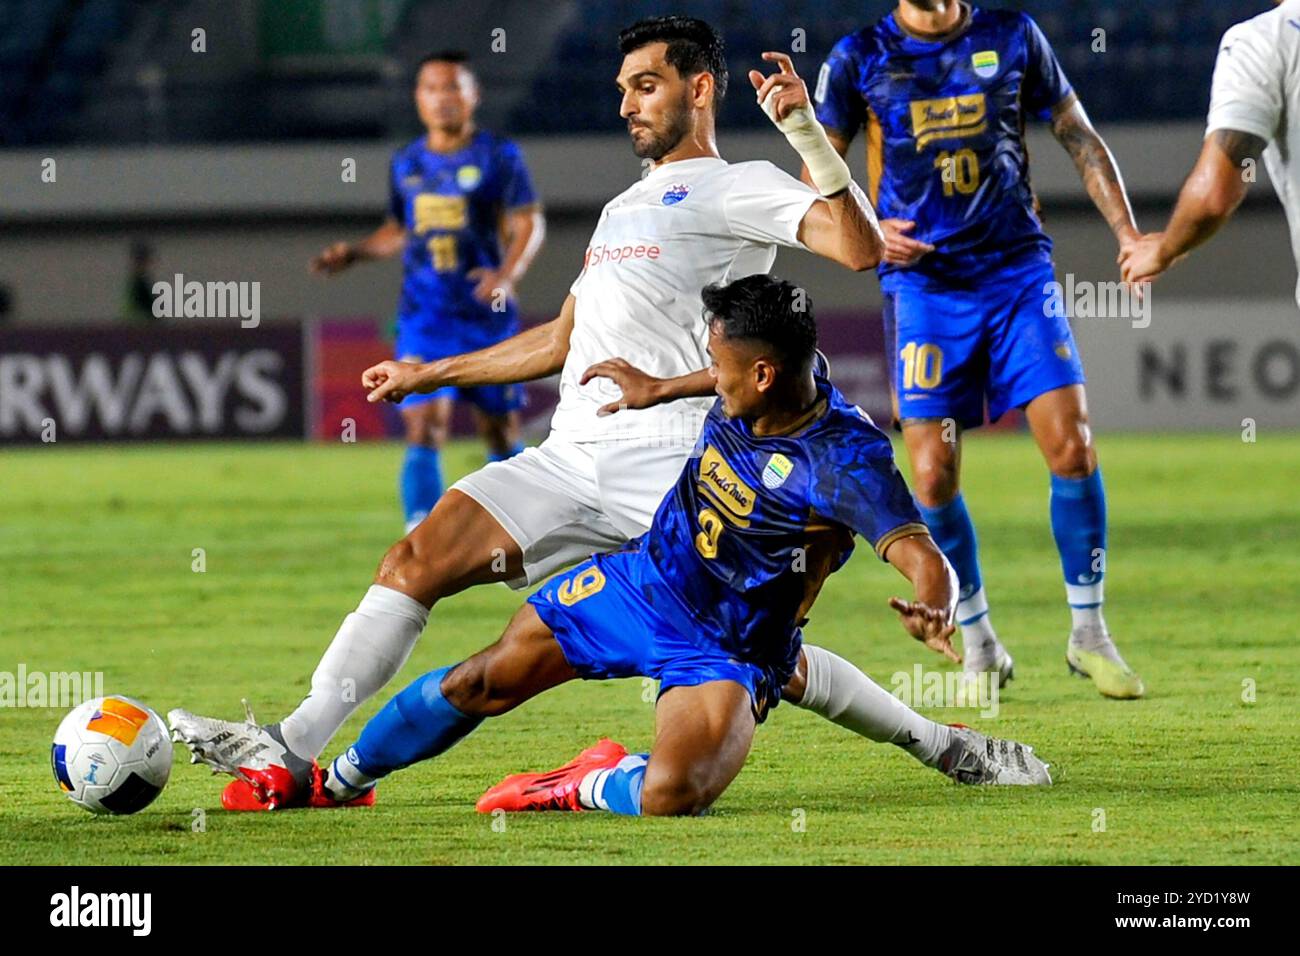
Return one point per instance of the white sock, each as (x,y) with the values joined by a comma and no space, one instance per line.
(1081,617)
(345,781)
(369,649)
(976,628)
(844,695)
(591,789)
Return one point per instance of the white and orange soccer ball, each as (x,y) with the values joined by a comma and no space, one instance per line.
(112,755)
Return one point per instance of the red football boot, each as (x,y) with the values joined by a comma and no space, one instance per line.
(242,795)
(554,790)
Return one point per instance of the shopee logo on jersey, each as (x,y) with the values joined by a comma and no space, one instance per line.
(595,255)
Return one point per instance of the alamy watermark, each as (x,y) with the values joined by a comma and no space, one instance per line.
(929,688)
(208,300)
(63,689)
(1098,300)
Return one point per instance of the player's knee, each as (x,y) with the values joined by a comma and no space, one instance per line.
(934,479)
(424,426)
(1072,455)
(420,432)
(674,794)
(407,568)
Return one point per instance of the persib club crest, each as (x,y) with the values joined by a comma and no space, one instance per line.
(467,177)
(985,63)
(776,471)
(675,194)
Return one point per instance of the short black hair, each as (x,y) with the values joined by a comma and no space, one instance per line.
(458,57)
(693,47)
(763,308)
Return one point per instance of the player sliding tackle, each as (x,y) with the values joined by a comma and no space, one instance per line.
(595,481)
(709,601)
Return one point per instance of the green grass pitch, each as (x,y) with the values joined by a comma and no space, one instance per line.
(1203,585)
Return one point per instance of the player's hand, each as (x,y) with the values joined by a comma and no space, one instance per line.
(333,259)
(639,389)
(787,90)
(1143,259)
(929,625)
(391,381)
(900,248)
(491,285)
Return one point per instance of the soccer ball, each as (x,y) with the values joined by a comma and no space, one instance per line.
(112,755)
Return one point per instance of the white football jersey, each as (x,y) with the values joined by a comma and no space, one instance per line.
(1257,90)
(683,226)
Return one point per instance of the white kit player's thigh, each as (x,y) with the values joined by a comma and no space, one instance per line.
(546,499)
(632,480)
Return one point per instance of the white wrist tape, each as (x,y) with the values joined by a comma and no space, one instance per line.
(827,168)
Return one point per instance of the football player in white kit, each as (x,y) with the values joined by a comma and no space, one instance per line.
(597,479)
(1253,111)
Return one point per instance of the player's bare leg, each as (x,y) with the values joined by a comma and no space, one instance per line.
(426,426)
(524,662)
(439,708)
(459,545)
(702,737)
(934,448)
(1059,422)
(500,433)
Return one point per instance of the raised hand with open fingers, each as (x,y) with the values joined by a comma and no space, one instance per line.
(640,390)
(782,92)
(929,625)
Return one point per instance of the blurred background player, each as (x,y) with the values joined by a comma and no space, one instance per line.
(943,90)
(465,217)
(1256,77)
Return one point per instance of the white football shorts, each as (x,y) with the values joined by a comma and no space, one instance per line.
(564,501)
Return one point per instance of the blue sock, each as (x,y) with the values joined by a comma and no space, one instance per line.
(616,789)
(1079,526)
(421,481)
(415,725)
(953,532)
(496,456)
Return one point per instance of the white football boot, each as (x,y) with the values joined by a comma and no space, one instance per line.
(976,758)
(254,754)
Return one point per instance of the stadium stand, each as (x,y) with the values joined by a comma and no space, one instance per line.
(122,71)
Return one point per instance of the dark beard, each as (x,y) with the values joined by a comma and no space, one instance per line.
(658,145)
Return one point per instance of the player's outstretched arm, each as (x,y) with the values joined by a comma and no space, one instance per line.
(929,617)
(384,242)
(1096,165)
(1209,197)
(844,227)
(533,353)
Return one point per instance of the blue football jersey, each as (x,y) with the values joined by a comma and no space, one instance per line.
(945,143)
(755,524)
(451,205)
